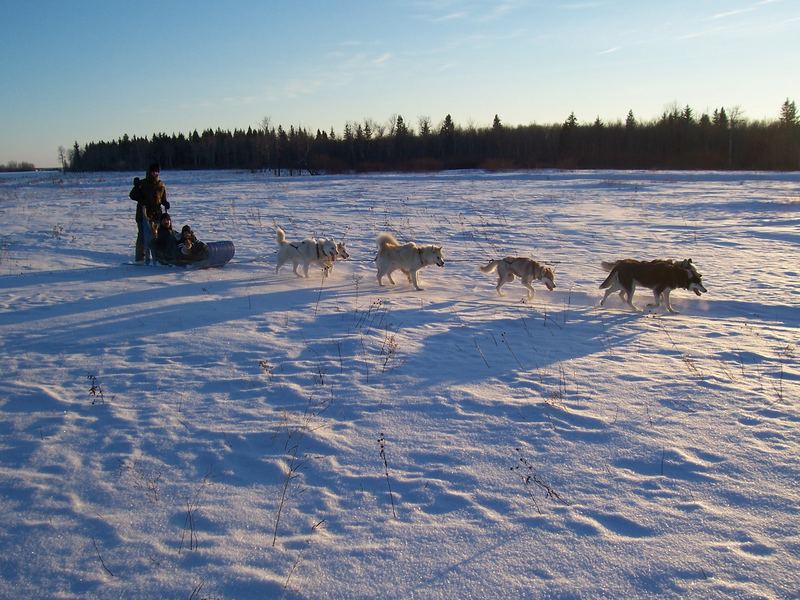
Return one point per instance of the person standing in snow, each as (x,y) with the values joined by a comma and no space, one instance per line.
(150,194)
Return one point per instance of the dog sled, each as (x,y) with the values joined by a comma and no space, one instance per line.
(218,255)
(215,255)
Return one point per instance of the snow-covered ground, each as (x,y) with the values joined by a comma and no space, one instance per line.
(233,433)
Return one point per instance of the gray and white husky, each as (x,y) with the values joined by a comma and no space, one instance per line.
(408,258)
(525,268)
(661,276)
(309,252)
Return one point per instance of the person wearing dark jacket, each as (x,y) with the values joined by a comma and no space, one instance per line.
(166,244)
(150,195)
(191,249)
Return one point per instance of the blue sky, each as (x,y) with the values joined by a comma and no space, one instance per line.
(94,70)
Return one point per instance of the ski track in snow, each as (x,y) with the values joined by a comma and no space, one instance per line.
(165,432)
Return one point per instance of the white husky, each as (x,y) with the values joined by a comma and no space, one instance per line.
(408,258)
(341,252)
(320,252)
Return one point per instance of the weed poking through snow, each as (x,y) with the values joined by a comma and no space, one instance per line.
(100,556)
(307,543)
(95,391)
(382,443)
(191,510)
(294,464)
(268,368)
(531,478)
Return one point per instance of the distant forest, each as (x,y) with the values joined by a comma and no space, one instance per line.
(678,139)
(13,167)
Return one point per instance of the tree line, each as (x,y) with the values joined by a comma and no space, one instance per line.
(678,139)
(13,166)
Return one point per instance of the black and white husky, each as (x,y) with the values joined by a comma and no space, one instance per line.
(309,252)
(526,269)
(661,276)
(408,258)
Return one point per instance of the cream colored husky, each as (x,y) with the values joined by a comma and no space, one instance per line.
(408,258)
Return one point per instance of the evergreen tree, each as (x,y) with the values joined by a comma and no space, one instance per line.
(447,127)
(788,117)
(400,129)
(496,124)
(630,120)
(75,158)
(720,118)
(424,126)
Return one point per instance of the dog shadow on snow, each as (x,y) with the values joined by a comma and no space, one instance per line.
(511,347)
(463,341)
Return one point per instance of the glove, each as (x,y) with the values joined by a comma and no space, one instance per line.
(136,181)
(165,204)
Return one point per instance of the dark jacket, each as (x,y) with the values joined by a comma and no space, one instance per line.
(166,245)
(151,193)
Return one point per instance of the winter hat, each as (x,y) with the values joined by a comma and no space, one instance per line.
(165,216)
(154,167)
(186,229)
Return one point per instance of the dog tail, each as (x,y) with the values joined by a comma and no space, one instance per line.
(611,276)
(609,266)
(490,268)
(385,240)
(281,236)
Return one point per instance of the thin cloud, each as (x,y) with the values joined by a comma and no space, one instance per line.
(448,11)
(580,5)
(610,50)
(301,87)
(382,58)
(732,13)
(500,11)
(745,10)
(453,16)
(503,9)
(346,69)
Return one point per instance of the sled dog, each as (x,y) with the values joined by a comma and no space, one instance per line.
(519,266)
(408,258)
(309,251)
(341,253)
(660,276)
